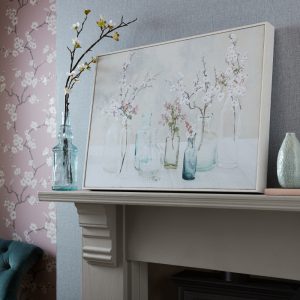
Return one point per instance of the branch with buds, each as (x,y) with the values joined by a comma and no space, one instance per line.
(77,66)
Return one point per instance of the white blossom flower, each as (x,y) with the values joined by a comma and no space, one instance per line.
(18,141)
(53,7)
(28,36)
(10,12)
(32,45)
(33,183)
(9,30)
(50,58)
(51,231)
(67,91)
(51,101)
(15,53)
(10,206)
(18,73)
(33,99)
(111,24)
(51,205)
(29,80)
(49,161)
(7,222)
(13,117)
(27,236)
(27,179)
(2,84)
(81,67)
(72,74)
(76,42)
(32,200)
(31,144)
(13,215)
(45,151)
(44,80)
(33,2)
(233,80)
(19,44)
(17,171)
(16,237)
(52,110)
(33,227)
(14,21)
(14,150)
(51,22)
(44,184)
(233,37)
(46,49)
(52,215)
(51,125)
(75,26)
(34,25)
(34,125)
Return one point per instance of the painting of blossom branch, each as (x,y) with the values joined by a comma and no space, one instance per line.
(181,115)
(27,132)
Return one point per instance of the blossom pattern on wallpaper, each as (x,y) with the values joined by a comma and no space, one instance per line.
(28,129)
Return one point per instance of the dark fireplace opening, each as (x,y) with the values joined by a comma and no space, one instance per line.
(178,283)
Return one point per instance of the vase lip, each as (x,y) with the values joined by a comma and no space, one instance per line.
(290,133)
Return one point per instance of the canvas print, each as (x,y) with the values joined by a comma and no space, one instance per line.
(182,115)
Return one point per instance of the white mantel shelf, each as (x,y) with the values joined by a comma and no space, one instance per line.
(176,199)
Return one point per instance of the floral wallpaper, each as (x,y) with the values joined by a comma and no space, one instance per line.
(27,132)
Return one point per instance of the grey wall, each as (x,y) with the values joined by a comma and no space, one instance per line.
(161,20)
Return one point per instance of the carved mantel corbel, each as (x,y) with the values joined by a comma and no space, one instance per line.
(98,223)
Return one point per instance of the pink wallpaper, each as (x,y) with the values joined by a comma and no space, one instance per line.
(27,131)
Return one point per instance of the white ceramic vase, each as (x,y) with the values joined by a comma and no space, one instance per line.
(288,162)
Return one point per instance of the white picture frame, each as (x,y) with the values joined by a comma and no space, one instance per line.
(157,107)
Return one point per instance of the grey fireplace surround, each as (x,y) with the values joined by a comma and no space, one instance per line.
(124,231)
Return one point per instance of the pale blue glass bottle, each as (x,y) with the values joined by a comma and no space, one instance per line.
(65,160)
(189,160)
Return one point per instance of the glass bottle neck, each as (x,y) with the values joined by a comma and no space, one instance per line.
(65,129)
(190,142)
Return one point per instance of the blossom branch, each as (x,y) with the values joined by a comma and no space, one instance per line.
(107,30)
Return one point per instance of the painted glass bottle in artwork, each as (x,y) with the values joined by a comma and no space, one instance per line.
(142,140)
(229,134)
(206,144)
(150,158)
(172,151)
(189,160)
(112,148)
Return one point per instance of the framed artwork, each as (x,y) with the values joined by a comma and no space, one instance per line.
(184,115)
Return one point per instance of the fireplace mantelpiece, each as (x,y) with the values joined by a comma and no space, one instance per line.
(123,231)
